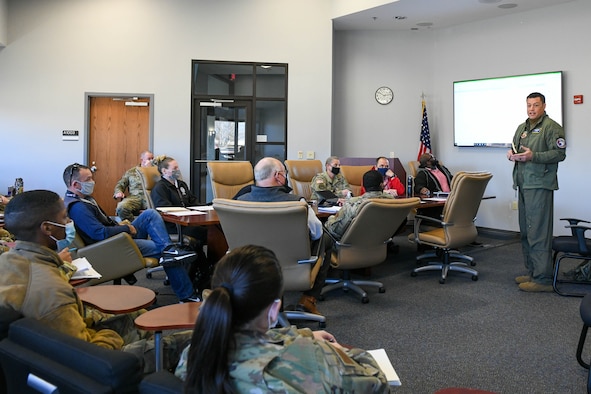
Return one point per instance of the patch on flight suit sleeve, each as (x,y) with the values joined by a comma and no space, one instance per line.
(561,143)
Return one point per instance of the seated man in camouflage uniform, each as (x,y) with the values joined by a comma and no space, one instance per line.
(373,184)
(131,205)
(331,179)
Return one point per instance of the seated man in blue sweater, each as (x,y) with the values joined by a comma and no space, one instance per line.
(94,225)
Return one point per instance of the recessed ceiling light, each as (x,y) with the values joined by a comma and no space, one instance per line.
(507,6)
(425,24)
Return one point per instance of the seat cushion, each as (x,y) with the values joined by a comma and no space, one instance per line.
(569,244)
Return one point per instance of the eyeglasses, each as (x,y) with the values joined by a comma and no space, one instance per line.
(73,167)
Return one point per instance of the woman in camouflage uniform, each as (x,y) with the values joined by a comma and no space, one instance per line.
(234,349)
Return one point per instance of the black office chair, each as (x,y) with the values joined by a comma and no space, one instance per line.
(585,311)
(574,246)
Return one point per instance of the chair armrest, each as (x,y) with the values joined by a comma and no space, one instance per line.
(573,221)
(578,231)
(113,258)
(162,382)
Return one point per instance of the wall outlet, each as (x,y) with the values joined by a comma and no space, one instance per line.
(300,154)
(514,205)
(392,155)
(310,154)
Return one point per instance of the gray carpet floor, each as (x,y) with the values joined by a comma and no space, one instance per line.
(483,334)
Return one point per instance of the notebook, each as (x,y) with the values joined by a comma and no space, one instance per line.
(327,198)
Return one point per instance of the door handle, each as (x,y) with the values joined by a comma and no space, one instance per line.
(93,167)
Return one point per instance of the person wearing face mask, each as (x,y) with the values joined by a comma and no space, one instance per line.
(392,184)
(34,282)
(172,191)
(432,177)
(270,177)
(235,348)
(147,230)
(331,179)
(130,206)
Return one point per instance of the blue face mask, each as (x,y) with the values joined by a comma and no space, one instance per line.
(86,188)
(70,235)
(383,171)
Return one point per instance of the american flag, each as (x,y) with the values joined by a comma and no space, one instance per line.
(425,146)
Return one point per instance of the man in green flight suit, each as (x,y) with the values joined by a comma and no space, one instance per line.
(538,147)
(131,205)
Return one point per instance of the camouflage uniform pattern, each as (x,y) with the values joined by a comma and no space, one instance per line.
(322,181)
(136,199)
(337,224)
(290,360)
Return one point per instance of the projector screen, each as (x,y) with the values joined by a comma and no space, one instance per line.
(488,111)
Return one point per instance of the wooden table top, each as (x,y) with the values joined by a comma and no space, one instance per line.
(169,317)
(116,298)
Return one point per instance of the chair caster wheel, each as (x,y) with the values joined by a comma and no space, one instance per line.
(149,275)
(166,282)
(381,290)
(472,263)
(442,281)
(321,324)
(413,274)
(346,289)
(321,297)
(474,278)
(364,300)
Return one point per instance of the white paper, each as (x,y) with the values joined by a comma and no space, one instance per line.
(435,199)
(186,213)
(386,366)
(85,270)
(201,208)
(171,209)
(334,209)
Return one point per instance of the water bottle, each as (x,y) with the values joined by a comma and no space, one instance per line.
(409,192)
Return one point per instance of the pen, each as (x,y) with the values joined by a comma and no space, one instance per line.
(72,249)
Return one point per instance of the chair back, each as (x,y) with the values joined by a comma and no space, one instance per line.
(413,166)
(364,242)
(149,177)
(300,174)
(279,226)
(228,177)
(354,175)
(462,206)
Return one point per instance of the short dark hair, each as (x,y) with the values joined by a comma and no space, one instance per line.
(72,171)
(381,157)
(424,159)
(536,95)
(372,181)
(26,211)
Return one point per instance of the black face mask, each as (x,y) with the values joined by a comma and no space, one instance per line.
(433,163)
(335,170)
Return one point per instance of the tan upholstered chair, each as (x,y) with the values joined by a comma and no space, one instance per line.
(228,177)
(364,243)
(457,227)
(113,258)
(300,174)
(413,166)
(354,175)
(281,227)
(149,177)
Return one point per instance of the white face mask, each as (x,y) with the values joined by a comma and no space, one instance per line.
(272,324)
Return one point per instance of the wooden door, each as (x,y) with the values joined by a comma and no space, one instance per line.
(118,134)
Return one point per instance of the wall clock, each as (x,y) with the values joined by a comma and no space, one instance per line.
(384,95)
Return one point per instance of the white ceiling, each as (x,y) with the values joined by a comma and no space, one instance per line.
(441,13)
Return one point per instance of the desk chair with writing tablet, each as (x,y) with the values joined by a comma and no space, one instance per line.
(457,227)
(575,247)
(281,227)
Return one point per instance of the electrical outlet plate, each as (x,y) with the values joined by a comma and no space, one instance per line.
(310,154)
(300,154)
(514,205)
